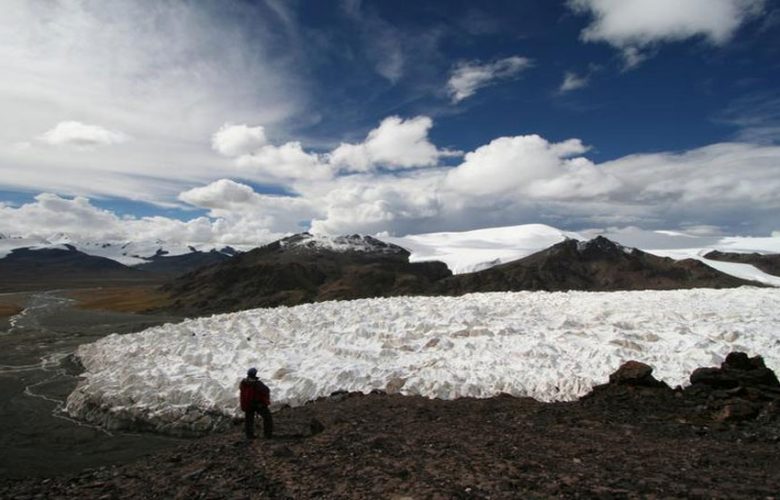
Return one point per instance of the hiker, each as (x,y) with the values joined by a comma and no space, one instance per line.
(255,398)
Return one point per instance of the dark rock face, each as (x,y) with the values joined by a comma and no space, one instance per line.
(598,264)
(770,264)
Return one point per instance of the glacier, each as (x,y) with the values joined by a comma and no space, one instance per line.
(549,346)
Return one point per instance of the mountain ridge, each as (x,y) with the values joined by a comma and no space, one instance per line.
(291,271)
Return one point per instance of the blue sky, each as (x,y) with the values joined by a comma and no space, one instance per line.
(236,122)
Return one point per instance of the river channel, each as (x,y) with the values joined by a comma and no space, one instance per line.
(36,375)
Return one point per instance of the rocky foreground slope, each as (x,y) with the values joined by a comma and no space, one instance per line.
(304,268)
(633,437)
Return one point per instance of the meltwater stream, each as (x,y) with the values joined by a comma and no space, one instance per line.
(37,374)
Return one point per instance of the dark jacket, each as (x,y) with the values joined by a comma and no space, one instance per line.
(253,393)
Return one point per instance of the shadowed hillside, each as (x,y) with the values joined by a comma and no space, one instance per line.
(598,264)
(301,269)
(28,269)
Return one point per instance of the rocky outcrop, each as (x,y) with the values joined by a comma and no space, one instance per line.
(737,371)
(741,389)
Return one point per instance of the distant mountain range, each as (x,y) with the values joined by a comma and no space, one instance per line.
(31,264)
(306,268)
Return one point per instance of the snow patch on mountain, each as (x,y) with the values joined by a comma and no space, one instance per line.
(9,244)
(743,271)
(347,243)
(470,251)
(550,346)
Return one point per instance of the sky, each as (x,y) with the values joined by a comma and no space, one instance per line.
(237,121)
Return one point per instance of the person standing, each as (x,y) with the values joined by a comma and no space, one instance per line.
(255,398)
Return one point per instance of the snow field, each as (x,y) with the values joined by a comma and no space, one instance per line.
(470,251)
(743,271)
(549,346)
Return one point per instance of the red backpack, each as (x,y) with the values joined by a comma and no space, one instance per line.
(254,391)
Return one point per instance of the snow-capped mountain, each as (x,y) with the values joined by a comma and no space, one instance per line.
(301,269)
(59,261)
(470,251)
(129,253)
(343,244)
(56,266)
(304,268)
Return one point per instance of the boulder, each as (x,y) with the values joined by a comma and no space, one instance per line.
(738,370)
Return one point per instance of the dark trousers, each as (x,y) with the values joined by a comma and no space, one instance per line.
(249,421)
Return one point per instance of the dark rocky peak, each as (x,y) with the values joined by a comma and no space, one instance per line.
(600,247)
(353,243)
(228,250)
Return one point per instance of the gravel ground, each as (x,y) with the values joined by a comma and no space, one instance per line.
(620,441)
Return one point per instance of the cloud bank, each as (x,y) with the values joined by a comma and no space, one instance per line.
(725,187)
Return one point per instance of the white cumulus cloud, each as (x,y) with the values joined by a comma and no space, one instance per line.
(515,165)
(635,25)
(395,144)
(236,140)
(223,193)
(81,135)
(288,162)
(468,77)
